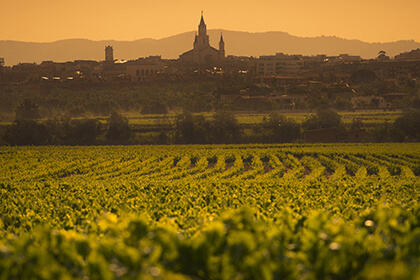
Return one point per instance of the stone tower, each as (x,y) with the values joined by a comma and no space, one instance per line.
(109,54)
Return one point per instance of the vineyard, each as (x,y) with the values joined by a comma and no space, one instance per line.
(368,118)
(339,211)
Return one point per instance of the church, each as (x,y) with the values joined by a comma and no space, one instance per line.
(202,53)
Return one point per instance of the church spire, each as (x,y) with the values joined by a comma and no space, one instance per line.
(202,19)
(202,28)
(221,47)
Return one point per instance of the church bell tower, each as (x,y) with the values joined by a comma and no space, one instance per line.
(202,39)
(109,54)
(221,47)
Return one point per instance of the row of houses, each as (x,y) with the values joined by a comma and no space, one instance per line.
(404,66)
(273,70)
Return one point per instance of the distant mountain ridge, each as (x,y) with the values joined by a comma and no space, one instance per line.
(237,43)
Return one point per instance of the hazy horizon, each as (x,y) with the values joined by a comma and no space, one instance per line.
(209,29)
(368,21)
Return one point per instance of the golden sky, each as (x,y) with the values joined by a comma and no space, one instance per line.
(51,20)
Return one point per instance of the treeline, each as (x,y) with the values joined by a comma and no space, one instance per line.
(54,101)
(277,128)
(67,131)
(221,128)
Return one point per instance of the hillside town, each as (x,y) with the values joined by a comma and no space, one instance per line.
(285,81)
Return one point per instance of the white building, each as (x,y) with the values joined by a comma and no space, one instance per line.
(280,65)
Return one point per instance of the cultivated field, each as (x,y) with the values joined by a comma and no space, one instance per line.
(369,118)
(210,212)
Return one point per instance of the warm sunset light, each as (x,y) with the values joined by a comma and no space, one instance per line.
(192,139)
(47,20)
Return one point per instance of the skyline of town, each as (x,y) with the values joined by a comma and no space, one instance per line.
(205,57)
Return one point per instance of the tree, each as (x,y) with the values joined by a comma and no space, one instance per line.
(225,128)
(26,132)
(155,107)
(343,104)
(323,119)
(279,129)
(409,123)
(192,129)
(185,128)
(382,55)
(27,110)
(119,130)
(85,132)
(106,107)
